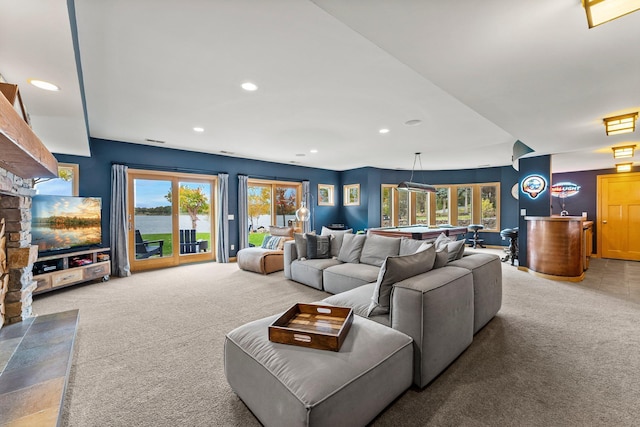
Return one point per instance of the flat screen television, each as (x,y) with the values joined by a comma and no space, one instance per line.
(64,223)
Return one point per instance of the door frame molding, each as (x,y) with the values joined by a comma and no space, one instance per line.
(176,258)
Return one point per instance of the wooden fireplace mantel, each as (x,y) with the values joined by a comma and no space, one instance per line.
(22,151)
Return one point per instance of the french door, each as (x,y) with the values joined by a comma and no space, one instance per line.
(171,218)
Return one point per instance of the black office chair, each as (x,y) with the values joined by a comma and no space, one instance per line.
(144,249)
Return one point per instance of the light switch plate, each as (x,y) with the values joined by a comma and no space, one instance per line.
(523,212)
(231,217)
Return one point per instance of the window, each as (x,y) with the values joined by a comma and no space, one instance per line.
(459,205)
(271,203)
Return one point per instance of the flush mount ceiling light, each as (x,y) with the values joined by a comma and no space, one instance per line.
(624,151)
(313,151)
(624,167)
(384,130)
(601,11)
(416,186)
(625,123)
(41,84)
(198,129)
(249,87)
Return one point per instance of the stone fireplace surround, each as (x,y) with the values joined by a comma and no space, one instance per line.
(17,255)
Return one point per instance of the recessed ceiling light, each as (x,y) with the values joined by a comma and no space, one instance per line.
(384,130)
(300,155)
(44,85)
(226,152)
(197,129)
(250,87)
(414,122)
(156,141)
(313,150)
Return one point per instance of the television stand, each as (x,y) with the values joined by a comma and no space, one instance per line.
(58,271)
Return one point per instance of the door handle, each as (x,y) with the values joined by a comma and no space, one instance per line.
(604,221)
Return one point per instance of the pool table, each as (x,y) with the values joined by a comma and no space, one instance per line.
(419,232)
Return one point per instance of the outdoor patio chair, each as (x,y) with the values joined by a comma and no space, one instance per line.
(145,250)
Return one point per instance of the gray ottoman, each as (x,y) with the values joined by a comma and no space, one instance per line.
(287,385)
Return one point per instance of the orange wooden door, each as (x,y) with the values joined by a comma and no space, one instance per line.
(619,216)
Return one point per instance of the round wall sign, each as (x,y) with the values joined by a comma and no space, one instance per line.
(514,191)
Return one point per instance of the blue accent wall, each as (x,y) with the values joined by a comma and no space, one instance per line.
(95,175)
(367,215)
(95,180)
(586,200)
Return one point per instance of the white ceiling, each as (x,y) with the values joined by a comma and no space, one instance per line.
(331,73)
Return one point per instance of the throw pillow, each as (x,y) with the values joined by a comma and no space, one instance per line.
(441,241)
(351,248)
(336,241)
(377,248)
(442,258)
(424,246)
(455,249)
(265,242)
(301,245)
(409,246)
(327,231)
(272,242)
(275,230)
(318,247)
(396,269)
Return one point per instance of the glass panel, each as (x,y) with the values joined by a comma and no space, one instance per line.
(465,203)
(195,218)
(489,218)
(259,207)
(387,207)
(403,208)
(286,200)
(152,218)
(422,208)
(442,206)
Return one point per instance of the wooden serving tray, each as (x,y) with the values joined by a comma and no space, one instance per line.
(323,327)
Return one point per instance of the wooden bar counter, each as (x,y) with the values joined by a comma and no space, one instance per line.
(558,247)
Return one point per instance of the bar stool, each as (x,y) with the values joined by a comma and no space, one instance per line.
(512,235)
(475,240)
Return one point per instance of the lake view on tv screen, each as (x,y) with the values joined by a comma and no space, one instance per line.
(65,222)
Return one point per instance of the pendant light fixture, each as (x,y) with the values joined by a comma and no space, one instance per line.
(416,186)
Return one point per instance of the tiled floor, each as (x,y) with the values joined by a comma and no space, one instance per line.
(35,357)
(615,277)
(611,276)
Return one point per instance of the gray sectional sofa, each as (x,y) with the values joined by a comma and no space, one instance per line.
(440,298)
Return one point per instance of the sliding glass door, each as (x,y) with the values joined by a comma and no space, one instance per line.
(170,218)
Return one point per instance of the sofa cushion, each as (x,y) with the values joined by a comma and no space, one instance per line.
(409,246)
(309,272)
(377,248)
(395,269)
(358,299)
(344,277)
(351,248)
(318,247)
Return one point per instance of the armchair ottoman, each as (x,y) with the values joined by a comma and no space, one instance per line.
(287,385)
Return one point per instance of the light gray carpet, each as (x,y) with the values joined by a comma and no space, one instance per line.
(149,352)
